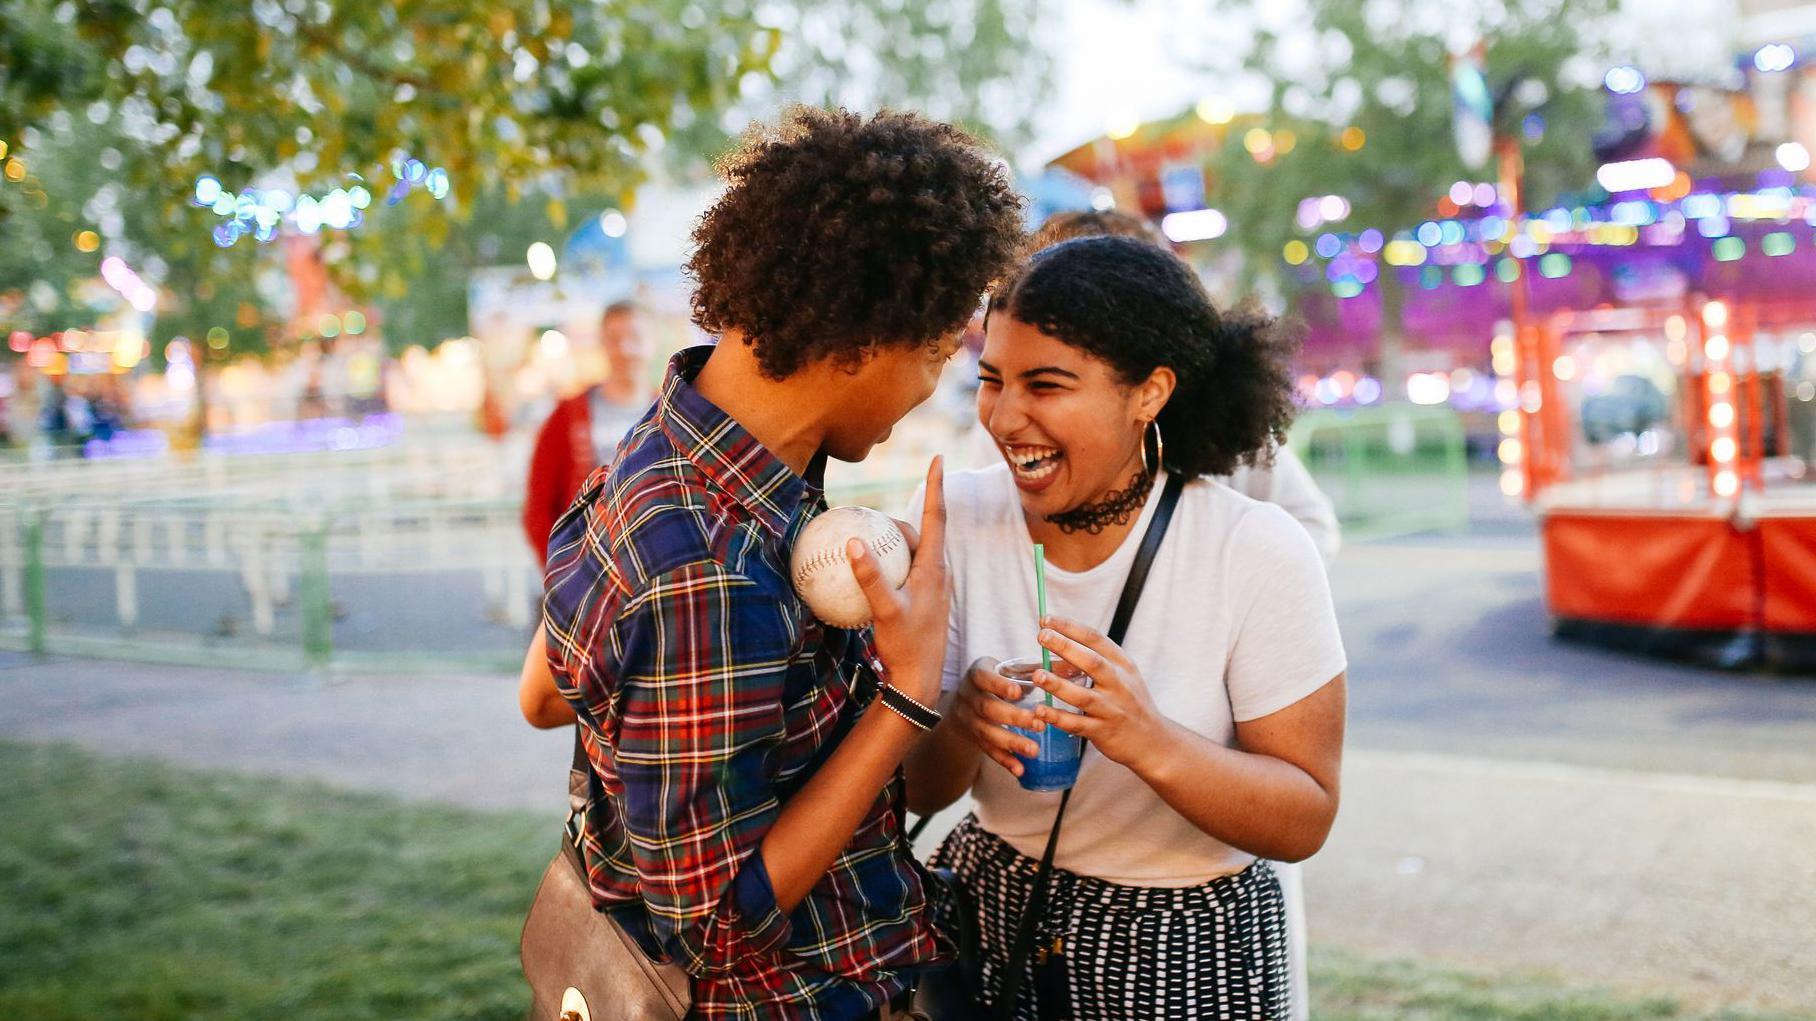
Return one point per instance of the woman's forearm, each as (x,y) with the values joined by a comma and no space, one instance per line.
(1273,795)
(1255,803)
(537,697)
(942,766)
(817,823)
(549,712)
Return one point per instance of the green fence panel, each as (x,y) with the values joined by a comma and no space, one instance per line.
(1390,470)
(315,599)
(35,604)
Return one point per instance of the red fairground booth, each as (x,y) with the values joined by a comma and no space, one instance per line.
(1657,447)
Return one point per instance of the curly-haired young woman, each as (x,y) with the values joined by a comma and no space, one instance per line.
(1215,727)
(743,814)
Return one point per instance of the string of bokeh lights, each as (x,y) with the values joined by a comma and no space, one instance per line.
(260,212)
(1646,201)
(1471,248)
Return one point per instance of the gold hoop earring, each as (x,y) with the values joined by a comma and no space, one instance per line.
(1160,447)
(1142,445)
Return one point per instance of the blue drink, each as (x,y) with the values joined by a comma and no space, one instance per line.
(1055,768)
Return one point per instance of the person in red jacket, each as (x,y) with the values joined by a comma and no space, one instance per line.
(583,431)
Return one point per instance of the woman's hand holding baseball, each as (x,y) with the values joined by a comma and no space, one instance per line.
(1119,716)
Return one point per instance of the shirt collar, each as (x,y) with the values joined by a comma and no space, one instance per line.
(727,455)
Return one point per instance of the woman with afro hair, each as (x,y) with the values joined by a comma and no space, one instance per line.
(740,797)
(1214,728)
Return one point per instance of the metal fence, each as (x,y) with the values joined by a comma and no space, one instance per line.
(404,558)
(398,558)
(1390,470)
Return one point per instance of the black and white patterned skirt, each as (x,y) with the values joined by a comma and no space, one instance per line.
(1213,951)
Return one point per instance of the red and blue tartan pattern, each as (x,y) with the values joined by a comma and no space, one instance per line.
(707,695)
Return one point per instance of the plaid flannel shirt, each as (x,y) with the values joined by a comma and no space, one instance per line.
(707,695)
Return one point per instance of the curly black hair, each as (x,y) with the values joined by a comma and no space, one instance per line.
(838,234)
(1137,307)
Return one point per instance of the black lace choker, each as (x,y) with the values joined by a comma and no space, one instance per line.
(1114,509)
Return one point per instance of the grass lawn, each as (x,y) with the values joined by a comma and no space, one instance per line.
(142,892)
(1346,988)
(136,891)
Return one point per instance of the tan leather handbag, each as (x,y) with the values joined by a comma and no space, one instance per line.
(580,963)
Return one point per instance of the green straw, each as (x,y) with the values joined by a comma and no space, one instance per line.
(1040,597)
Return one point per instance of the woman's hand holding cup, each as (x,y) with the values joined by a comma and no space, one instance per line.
(1117,713)
(983,711)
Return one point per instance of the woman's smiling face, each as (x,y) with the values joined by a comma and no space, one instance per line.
(1069,427)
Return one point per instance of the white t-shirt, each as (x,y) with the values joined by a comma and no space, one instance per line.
(1235,623)
(610,420)
(1287,483)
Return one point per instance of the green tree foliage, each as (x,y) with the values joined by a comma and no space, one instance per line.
(506,91)
(1383,67)
(972,62)
(530,105)
(76,185)
(416,265)
(960,60)
(507,94)
(39,262)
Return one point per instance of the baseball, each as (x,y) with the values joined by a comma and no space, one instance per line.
(822,575)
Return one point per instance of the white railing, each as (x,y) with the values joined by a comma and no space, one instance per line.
(294,537)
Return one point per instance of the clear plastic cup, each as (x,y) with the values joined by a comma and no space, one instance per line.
(1055,767)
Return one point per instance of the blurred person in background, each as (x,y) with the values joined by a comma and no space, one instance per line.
(54,420)
(313,401)
(8,432)
(583,431)
(112,409)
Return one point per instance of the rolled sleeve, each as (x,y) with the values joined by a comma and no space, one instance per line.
(755,917)
(704,653)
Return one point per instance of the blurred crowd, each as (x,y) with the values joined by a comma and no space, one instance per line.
(62,413)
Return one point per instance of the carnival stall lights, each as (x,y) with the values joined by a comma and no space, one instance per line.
(83,352)
(1458,276)
(1666,452)
(1467,252)
(449,379)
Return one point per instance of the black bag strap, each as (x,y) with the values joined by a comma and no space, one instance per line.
(1144,559)
(1119,626)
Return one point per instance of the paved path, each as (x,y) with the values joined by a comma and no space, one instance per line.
(1641,881)
(362,733)
(1450,650)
